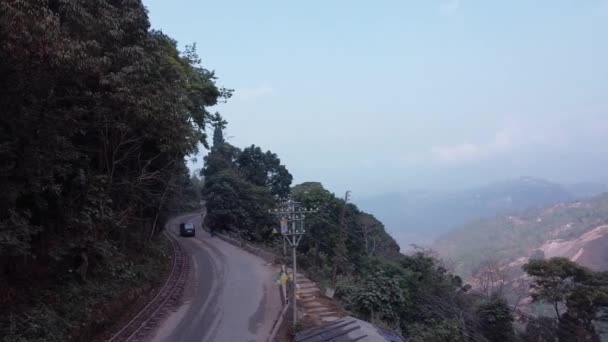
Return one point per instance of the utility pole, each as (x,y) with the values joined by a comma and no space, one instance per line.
(341,245)
(292,212)
(343,213)
(284,226)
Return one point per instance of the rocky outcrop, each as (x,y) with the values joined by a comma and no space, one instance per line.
(589,249)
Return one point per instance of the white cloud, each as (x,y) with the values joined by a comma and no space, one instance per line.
(449,7)
(254,93)
(502,141)
(555,134)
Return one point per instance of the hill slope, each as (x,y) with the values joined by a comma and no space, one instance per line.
(576,229)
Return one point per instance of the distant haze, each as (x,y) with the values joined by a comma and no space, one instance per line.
(377,97)
(421,216)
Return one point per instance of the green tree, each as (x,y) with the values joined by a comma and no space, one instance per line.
(496,320)
(542,329)
(587,303)
(319,247)
(584,293)
(380,298)
(98,114)
(554,280)
(240,186)
(571,328)
(375,239)
(197,183)
(264,169)
(220,158)
(237,205)
(443,330)
(325,227)
(219,124)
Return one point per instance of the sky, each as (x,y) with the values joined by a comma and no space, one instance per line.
(384,96)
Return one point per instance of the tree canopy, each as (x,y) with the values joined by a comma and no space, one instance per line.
(98,114)
(496,320)
(565,284)
(97,118)
(241,186)
(264,169)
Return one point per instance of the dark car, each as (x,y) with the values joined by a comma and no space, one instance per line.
(186,229)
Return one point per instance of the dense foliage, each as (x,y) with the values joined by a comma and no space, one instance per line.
(264,169)
(413,293)
(241,186)
(98,114)
(496,320)
(578,295)
(365,235)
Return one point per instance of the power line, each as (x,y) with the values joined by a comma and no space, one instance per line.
(566,329)
(357,238)
(476,337)
(340,228)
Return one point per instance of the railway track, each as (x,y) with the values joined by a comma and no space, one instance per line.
(166,298)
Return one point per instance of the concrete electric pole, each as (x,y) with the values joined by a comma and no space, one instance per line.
(292,215)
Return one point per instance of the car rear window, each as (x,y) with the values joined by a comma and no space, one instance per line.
(189,226)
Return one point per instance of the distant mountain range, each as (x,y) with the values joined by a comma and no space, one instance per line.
(570,229)
(490,253)
(419,216)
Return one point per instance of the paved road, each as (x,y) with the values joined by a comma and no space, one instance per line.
(231,295)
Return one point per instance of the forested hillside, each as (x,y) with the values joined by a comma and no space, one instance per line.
(98,113)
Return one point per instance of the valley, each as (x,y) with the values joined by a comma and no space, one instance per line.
(421,216)
(570,229)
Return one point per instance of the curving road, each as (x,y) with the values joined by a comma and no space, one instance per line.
(230,296)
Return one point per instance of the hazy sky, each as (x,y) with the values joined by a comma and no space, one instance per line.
(377,96)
